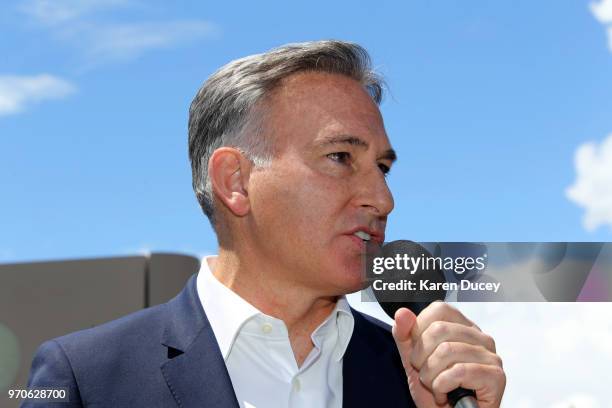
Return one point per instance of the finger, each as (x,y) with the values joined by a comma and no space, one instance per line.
(440,332)
(488,381)
(440,398)
(404,322)
(448,354)
(422,397)
(439,311)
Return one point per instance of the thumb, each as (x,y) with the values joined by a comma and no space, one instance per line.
(405,320)
(402,328)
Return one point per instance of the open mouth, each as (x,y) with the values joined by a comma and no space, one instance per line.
(363,235)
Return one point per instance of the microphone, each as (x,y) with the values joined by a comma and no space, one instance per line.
(417,300)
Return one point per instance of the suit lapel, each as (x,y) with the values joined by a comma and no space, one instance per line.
(357,380)
(370,371)
(195,371)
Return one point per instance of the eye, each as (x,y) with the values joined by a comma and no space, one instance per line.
(340,157)
(384,168)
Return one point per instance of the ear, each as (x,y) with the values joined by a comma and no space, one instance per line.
(229,174)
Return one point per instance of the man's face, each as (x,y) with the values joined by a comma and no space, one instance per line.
(326,181)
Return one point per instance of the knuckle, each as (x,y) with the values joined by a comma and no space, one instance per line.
(425,376)
(502,381)
(499,378)
(438,307)
(498,361)
(438,329)
(490,342)
(445,349)
(460,370)
(499,372)
(431,362)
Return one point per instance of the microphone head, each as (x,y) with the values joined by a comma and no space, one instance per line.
(410,266)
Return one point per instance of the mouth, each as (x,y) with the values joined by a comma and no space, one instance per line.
(367,235)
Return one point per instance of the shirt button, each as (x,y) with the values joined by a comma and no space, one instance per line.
(266,328)
(296,384)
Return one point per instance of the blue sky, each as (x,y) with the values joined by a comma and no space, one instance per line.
(488,105)
(499,111)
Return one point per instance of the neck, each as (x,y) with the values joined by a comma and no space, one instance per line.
(261,285)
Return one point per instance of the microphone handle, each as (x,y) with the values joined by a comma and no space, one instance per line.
(462,398)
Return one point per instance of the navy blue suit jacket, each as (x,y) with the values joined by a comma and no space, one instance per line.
(167,356)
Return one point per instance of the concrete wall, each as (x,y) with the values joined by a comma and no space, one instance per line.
(43,300)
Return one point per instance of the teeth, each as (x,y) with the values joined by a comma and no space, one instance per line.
(363,235)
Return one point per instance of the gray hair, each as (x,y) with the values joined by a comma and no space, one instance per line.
(226,111)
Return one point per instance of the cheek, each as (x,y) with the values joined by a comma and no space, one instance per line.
(302,223)
(300,206)
(301,201)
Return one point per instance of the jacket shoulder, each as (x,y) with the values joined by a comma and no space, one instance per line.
(135,327)
(117,344)
(101,364)
(51,368)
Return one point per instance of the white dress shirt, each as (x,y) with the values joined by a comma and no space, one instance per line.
(258,354)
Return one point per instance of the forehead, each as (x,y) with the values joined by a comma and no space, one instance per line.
(310,106)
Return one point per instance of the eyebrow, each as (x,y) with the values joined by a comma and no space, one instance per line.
(355,141)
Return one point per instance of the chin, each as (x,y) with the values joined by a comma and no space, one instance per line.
(348,278)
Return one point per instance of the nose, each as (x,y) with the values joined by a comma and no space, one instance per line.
(373,193)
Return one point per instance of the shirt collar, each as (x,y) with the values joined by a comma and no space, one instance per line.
(343,319)
(228,314)
(226,311)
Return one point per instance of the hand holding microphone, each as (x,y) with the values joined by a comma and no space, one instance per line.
(443,351)
(449,361)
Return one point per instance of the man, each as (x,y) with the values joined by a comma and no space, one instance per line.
(289,155)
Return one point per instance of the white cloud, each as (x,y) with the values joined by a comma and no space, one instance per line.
(52,12)
(602,11)
(592,188)
(100,39)
(17,92)
(119,42)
